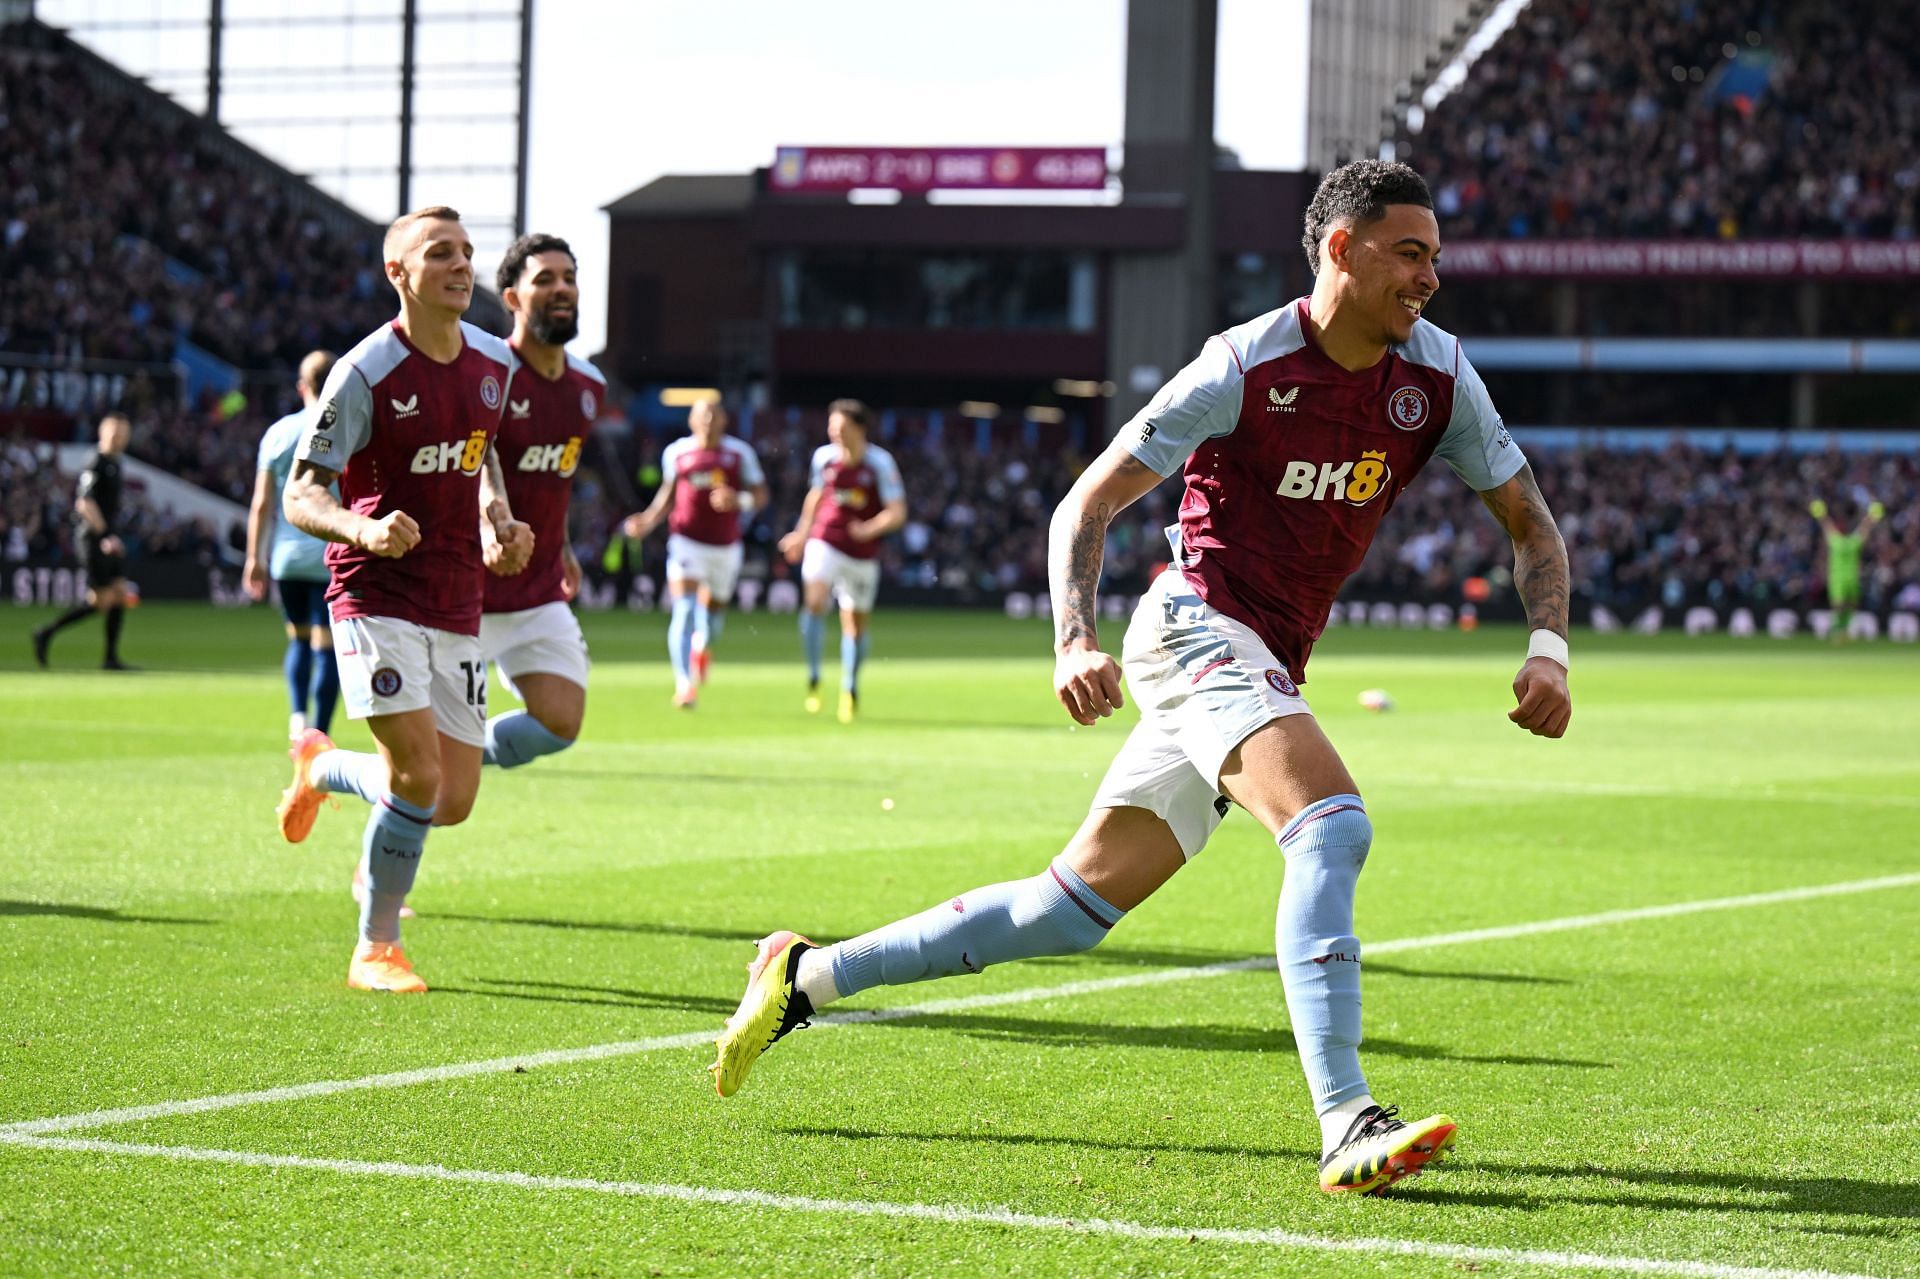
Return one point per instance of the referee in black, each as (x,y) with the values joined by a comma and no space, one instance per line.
(96,513)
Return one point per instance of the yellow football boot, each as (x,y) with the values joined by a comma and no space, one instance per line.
(771,1007)
(1379,1150)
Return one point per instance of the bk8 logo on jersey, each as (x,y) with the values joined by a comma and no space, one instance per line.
(561,458)
(1355,483)
(464,456)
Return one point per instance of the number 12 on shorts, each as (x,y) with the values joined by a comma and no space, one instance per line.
(476,673)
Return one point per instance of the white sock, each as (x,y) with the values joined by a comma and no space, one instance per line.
(1333,1123)
(815,978)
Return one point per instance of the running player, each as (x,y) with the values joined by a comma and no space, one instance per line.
(528,631)
(103,557)
(296,563)
(406,425)
(1296,431)
(709,481)
(1843,564)
(856,499)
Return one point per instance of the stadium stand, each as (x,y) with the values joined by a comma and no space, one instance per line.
(1680,524)
(1716,118)
(1676,526)
(125,231)
(129,227)
(36,516)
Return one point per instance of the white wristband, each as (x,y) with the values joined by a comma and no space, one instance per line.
(746,502)
(1547,644)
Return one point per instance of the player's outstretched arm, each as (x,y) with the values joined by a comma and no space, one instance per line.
(1085,679)
(644,522)
(794,543)
(506,544)
(1543,704)
(311,507)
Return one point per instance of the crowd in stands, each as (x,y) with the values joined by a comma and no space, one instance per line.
(1671,527)
(1733,119)
(1674,527)
(37,521)
(120,229)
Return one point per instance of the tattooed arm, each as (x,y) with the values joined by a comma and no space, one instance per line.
(1540,574)
(1085,679)
(506,543)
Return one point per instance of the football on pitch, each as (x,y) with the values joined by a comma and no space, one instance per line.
(1376,700)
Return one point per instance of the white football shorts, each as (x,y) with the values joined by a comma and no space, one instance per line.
(715,567)
(388,666)
(1204,683)
(544,640)
(855,582)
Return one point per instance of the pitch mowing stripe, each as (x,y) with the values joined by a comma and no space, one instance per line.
(947,1214)
(1753,792)
(690,1039)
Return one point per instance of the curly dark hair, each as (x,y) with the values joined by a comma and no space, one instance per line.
(1358,193)
(523,248)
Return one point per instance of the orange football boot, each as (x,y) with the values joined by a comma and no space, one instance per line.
(383,966)
(300,802)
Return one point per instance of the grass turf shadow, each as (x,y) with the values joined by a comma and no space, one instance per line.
(1050,1139)
(103,914)
(1647,1188)
(555,992)
(1201,1038)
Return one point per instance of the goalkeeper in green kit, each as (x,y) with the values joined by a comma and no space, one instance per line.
(1843,564)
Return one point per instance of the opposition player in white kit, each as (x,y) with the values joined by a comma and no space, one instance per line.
(1296,432)
(709,483)
(528,630)
(856,498)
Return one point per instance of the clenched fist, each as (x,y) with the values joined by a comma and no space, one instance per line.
(391,536)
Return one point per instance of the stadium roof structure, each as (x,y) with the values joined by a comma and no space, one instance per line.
(690,193)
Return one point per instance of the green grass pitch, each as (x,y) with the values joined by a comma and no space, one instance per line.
(1726,1092)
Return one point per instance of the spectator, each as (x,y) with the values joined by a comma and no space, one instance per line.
(1727,119)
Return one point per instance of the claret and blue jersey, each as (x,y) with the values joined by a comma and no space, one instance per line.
(1291,461)
(406,433)
(851,491)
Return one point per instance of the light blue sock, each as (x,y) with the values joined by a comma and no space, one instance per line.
(1054,913)
(702,619)
(680,640)
(716,622)
(298,667)
(853,655)
(517,738)
(1325,846)
(396,834)
(325,688)
(357,771)
(813,638)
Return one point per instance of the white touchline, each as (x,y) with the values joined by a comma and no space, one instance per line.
(690,1039)
(944,1213)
